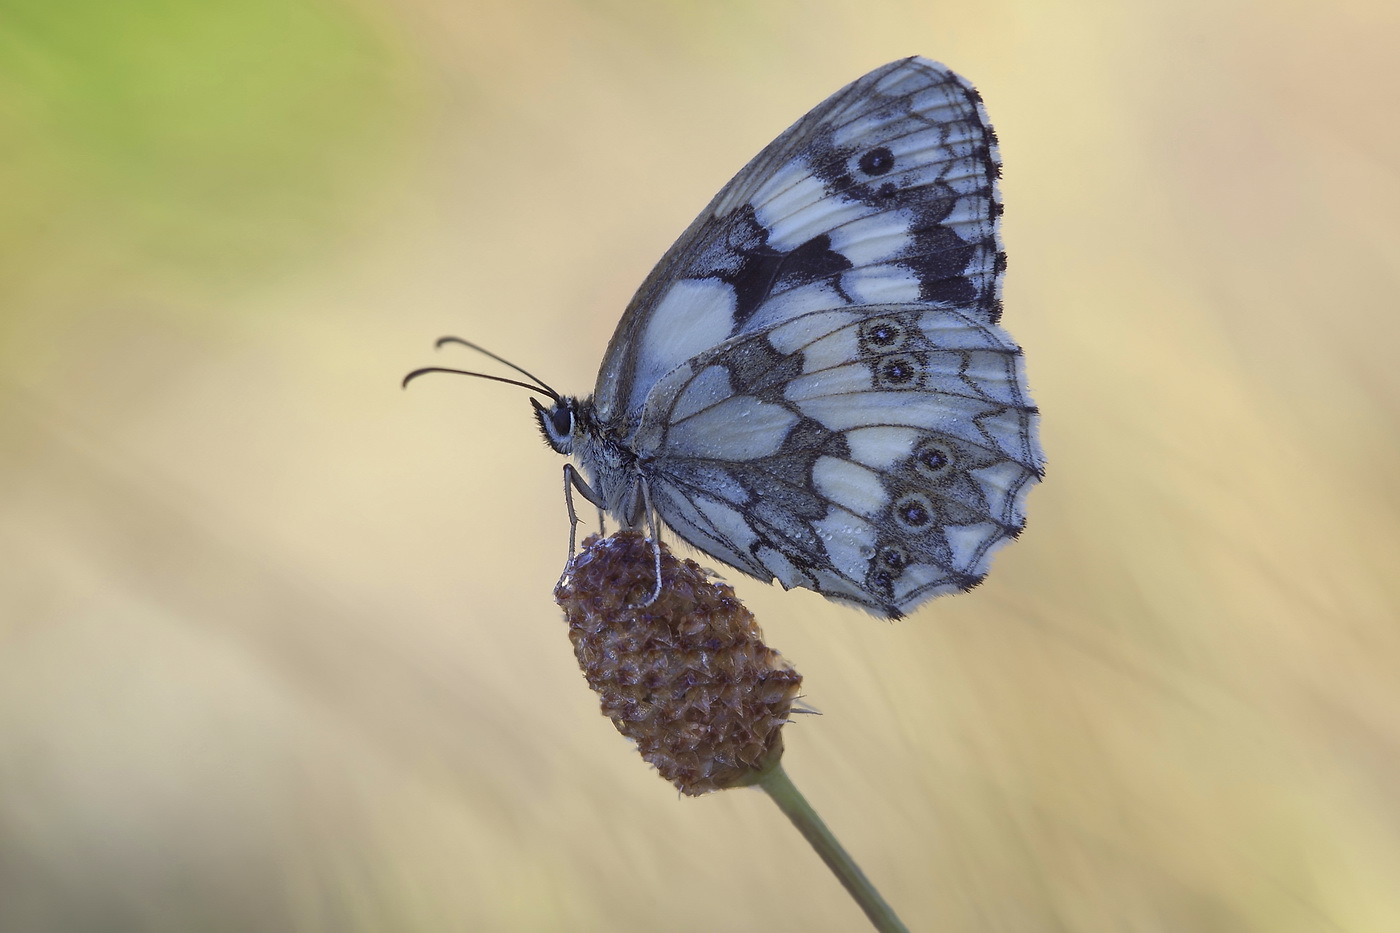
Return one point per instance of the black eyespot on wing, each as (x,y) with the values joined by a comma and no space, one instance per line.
(877,161)
(899,371)
(933,460)
(881,335)
(894,557)
(913,511)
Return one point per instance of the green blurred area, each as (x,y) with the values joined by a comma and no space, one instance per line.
(209,142)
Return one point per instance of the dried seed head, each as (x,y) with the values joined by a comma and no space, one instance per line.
(686,677)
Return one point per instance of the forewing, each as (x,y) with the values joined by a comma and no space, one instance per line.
(884,193)
(877,454)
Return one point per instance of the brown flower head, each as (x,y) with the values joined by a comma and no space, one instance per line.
(686,676)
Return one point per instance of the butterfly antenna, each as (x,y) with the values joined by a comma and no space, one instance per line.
(543,386)
(462,372)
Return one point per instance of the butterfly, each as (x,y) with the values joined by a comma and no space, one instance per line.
(811,385)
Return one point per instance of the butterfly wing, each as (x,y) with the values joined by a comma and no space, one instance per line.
(877,454)
(885,192)
(813,380)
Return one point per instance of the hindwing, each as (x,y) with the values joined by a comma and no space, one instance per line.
(875,453)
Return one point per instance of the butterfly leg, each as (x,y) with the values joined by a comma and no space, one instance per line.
(654,536)
(573,480)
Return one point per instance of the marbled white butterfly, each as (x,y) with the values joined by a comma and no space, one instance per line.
(811,384)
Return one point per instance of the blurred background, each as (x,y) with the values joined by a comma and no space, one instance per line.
(277,646)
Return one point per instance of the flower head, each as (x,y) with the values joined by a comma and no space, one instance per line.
(686,675)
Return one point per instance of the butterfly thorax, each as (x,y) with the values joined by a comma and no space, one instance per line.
(572,427)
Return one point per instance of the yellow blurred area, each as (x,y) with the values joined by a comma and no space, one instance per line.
(277,647)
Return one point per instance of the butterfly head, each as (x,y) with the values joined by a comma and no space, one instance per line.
(558,422)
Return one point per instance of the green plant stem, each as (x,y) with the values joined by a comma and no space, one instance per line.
(780,787)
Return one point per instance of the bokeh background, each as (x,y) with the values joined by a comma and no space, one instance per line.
(277,648)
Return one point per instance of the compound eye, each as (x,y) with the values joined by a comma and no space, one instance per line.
(556,423)
(561,421)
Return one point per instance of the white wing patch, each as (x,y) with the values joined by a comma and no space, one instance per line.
(707,389)
(849,485)
(882,285)
(693,313)
(793,304)
(844,409)
(738,428)
(848,542)
(803,210)
(873,238)
(880,447)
